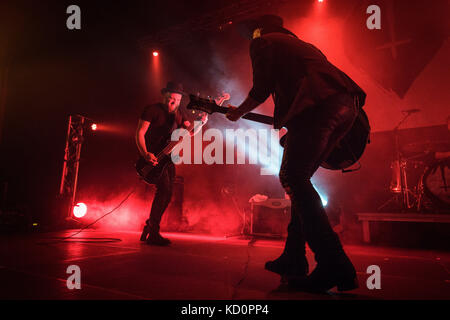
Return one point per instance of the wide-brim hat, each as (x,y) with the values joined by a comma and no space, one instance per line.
(173,87)
(268,22)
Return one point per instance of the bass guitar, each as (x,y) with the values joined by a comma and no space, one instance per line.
(151,173)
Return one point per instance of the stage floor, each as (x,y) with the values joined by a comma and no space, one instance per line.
(196,267)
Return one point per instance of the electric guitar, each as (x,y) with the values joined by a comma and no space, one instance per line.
(151,173)
(345,154)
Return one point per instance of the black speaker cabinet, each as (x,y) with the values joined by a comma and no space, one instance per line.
(270,217)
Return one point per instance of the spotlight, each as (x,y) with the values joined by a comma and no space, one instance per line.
(320,0)
(155,53)
(79,210)
(94,127)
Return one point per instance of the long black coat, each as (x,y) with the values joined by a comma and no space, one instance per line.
(297,74)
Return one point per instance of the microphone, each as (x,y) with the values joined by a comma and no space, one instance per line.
(411,111)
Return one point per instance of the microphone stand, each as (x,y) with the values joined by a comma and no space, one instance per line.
(229,191)
(400,164)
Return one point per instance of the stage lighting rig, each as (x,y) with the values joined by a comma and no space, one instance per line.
(77,126)
(217,19)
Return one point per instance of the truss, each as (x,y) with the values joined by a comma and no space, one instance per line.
(69,179)
(217,20)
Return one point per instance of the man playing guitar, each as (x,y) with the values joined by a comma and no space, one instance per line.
(154,130)
(318,104)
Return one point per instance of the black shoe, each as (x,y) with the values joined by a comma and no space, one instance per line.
(288,269)
(144,233)
(327,276)
(157,240)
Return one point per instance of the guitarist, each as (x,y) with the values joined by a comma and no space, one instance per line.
(155,127)
(318,104)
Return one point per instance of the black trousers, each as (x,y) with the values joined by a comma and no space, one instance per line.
(163,195)
(310,139)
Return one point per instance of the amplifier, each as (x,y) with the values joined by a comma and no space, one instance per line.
(270,217)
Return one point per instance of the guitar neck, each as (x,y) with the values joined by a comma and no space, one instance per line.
(168,149)
(250,116)
(258,118)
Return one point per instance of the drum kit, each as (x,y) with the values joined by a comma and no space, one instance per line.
(431,192)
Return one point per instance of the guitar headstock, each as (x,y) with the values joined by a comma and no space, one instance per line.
(197,114)
(202,104)
(224,97)
(207,105)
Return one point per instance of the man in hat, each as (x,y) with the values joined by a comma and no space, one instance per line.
(318,104)
(154,130)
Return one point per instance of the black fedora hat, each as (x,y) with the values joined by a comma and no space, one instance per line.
(268,22)
(173,87)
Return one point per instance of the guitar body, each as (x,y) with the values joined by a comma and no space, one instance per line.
(350,148)
(148,171)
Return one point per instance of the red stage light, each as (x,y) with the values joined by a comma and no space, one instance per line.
(94,126)
(79,210)
(155,53)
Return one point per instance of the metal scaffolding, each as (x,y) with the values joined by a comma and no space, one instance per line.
(215,20)
(69,178)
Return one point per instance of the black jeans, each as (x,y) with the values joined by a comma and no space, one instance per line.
(163,195)
(310,139)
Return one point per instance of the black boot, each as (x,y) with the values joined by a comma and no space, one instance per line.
(154,237)
(144,233)
(288,268)
(157,240)
(339,273)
